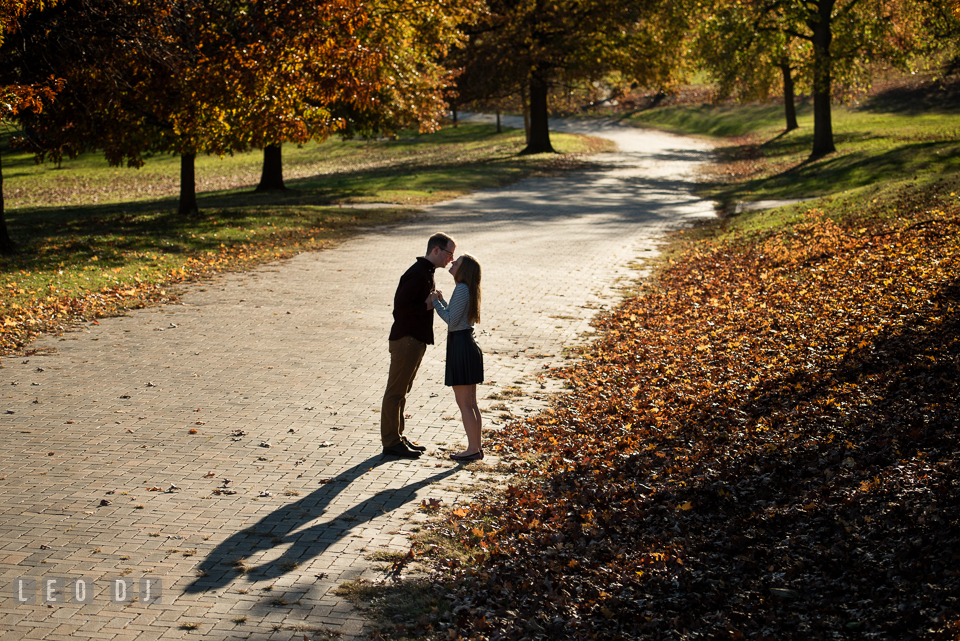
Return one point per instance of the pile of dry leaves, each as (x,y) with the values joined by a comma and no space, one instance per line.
(762,445)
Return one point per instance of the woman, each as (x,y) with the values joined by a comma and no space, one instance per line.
(464,359)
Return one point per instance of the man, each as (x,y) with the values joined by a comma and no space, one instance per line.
(412,331)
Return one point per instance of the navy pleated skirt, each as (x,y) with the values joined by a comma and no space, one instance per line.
(464,359)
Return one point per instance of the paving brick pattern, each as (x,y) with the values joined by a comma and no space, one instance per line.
(282,493)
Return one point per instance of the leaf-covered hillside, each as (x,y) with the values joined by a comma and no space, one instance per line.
(763,445)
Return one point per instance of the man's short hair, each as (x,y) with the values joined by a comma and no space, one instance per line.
(439,240)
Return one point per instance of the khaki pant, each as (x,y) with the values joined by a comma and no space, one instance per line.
(405,357)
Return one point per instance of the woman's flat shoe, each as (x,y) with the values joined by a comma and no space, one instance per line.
(477,456)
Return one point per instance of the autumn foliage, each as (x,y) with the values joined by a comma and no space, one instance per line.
(762,445)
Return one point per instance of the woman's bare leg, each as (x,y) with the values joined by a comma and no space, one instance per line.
(466,396)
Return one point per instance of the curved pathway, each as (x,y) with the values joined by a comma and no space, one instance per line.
(281,494)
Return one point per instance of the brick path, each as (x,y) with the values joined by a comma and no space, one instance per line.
(281,371)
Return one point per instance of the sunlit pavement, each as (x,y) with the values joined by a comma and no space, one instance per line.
(224,453)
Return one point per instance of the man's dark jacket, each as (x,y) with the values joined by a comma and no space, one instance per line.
(411,315)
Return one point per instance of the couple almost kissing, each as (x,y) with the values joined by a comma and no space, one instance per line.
(413,306)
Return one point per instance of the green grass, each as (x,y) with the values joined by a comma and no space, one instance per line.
(884,140)
(894,148)
(94,239)
(720,121)
(413,169)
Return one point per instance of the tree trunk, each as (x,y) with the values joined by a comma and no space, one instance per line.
(499,129)
(188,186)
(539,142)
(525,106)
(454,109)
(7,246)
(271,176)
(789,103)
(822,124)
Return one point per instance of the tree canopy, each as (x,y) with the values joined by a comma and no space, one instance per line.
(535,45)
(835,45)
(202,76)
(16,96)
(165,76)
(749,63)
(189,78)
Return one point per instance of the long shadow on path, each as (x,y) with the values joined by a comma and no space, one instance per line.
(283,527)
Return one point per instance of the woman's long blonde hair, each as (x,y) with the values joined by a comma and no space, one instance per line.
(469,273)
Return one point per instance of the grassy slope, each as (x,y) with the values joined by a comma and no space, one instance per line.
(902,134)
